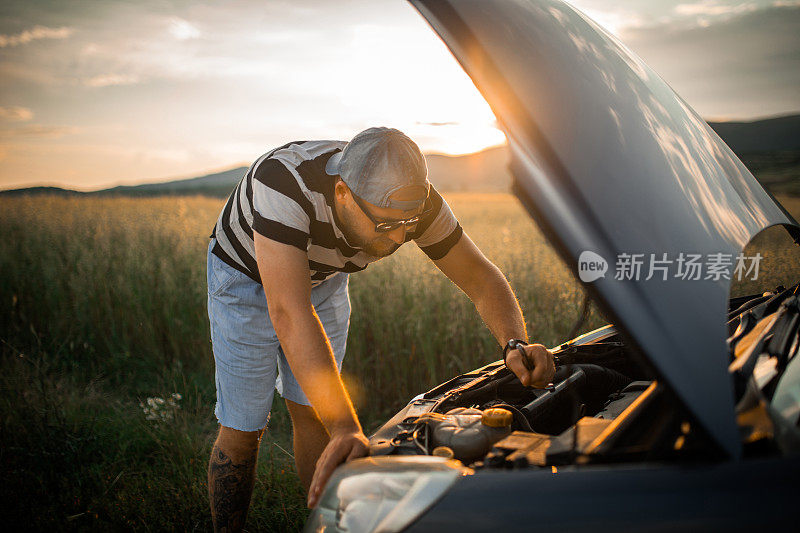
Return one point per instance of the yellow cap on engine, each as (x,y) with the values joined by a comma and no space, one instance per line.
(497,417)
(443,451)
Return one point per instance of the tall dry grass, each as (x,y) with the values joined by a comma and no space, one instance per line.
(102,304)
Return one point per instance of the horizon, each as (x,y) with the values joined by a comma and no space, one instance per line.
(243,164)
(96,96)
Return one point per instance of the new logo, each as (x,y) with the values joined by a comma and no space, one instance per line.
(591,266)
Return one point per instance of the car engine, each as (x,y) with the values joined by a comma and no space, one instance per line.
(606,405)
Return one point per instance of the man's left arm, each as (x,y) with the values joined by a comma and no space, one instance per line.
(487,287)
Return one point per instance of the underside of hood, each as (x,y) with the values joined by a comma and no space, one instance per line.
(609,160)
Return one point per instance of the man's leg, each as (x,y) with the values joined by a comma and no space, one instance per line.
(309,438)
(231,475)
(245,360)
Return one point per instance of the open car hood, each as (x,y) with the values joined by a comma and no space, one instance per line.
(608,159)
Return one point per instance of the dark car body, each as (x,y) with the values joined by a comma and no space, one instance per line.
(608,159)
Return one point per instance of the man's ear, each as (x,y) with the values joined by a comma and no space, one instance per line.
(340,190)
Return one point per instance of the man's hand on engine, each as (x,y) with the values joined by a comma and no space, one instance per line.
(539,359)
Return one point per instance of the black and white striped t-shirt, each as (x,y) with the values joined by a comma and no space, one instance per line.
(287,196)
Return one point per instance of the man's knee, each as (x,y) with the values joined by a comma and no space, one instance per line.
(238,445)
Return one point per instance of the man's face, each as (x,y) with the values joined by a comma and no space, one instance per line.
(359,228)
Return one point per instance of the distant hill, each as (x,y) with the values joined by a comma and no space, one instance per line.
(43,190)
(482,171)
(216,184)
(770,148)
(772,134)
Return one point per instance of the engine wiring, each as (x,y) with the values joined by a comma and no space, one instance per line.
(424,448)
(777,340)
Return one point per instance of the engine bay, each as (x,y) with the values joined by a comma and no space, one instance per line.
(605,404)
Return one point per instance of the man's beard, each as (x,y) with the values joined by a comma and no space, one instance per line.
(380,247)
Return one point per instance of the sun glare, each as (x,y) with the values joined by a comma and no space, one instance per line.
(431,99)
(457,139)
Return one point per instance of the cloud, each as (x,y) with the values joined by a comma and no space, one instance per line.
(614,20)
(748,64)
(35,33)
(182,29)
(108,80)
(15,114)
(712,8)
(38,131)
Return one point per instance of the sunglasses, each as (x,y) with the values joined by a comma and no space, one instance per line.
(383,226)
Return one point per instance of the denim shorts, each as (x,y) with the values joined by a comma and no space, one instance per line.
(249,361)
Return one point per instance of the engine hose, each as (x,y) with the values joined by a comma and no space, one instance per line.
(604,378)
(594,384)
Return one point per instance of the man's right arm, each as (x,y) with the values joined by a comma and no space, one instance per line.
(286,278)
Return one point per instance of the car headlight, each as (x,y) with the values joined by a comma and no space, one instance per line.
(382,494)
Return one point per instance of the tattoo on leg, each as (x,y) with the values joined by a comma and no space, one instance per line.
(230,486)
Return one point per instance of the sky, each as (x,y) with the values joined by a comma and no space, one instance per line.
(99,93)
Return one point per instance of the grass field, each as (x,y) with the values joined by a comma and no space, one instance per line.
(102,307)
